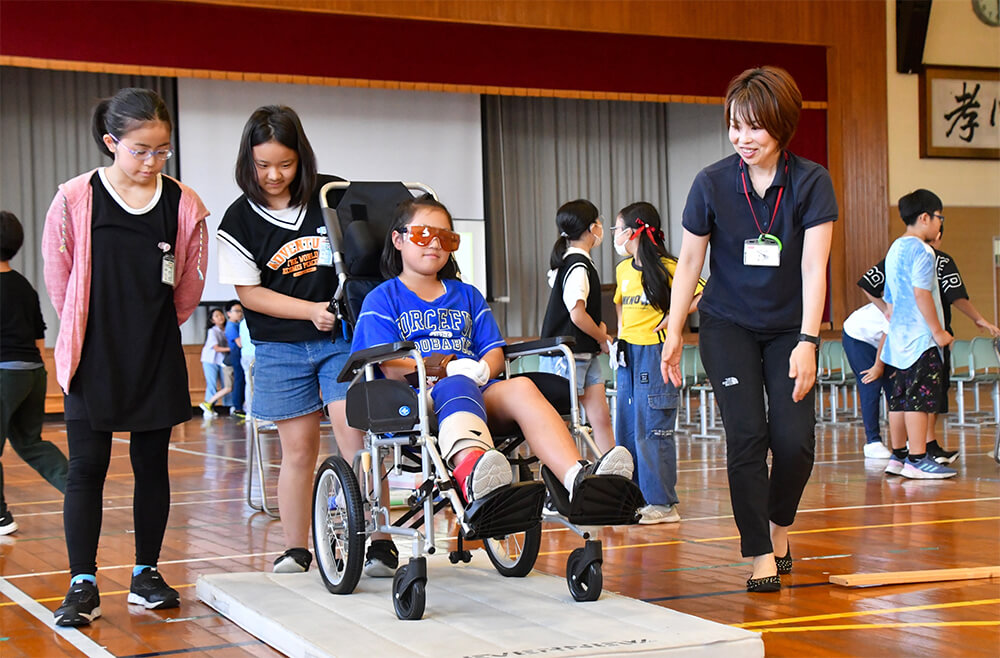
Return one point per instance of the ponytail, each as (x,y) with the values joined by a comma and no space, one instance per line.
(558,251)
(573,219)
(124,112)
(645,223)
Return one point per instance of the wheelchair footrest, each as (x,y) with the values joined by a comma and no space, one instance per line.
(507,510)
(599,499)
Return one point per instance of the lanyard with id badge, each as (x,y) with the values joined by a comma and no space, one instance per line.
(765,249)
(167,266)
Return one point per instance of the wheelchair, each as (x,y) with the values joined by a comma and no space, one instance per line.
(399,435)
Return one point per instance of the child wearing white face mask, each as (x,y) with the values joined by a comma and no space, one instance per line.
(575,310)
(647,406)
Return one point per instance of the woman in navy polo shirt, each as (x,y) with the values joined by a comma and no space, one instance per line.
(768,215)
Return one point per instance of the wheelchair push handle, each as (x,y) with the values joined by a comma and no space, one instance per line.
(540,346)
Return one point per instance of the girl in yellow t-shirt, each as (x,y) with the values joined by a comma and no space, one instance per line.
(647,407)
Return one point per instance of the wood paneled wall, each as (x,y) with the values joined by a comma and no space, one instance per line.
(968,238)
(853,31)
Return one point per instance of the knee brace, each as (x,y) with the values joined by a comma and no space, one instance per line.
(460,431)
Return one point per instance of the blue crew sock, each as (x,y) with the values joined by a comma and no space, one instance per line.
(139,568)
(83,576)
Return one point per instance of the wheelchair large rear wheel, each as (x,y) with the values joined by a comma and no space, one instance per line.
(514,555)
(338,526)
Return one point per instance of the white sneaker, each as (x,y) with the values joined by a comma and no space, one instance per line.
(207,411)
(492,471)
(659,514)
(877,450)
(617,461)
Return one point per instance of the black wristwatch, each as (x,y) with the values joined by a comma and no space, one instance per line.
(806,338)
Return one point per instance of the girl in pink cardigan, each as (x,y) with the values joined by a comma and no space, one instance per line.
(124,249)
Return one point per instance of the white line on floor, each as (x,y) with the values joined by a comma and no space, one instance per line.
(44,615)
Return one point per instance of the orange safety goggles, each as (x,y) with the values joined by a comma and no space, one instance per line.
(422,236)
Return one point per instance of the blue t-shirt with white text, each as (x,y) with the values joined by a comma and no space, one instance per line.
(457,322)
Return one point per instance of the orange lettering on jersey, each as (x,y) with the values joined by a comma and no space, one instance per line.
(298,246)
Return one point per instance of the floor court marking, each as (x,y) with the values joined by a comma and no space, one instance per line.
(172,494)
(701,595)
(183,503)
(863,613)
(793,532)
(238,556)
(72,635)
(175,652)
(812,557)
(871,627)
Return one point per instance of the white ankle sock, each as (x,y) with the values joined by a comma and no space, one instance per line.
(570,478)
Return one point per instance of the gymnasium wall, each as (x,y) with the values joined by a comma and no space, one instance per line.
(970,189)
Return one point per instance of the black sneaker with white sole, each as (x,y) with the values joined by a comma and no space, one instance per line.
(7,523)
(151,591)
(81,606)
(942,456)
(381,559)
(294,560)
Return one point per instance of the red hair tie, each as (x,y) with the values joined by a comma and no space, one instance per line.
(644,227)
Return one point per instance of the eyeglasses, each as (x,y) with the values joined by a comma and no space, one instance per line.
(618,229)
(422,236)
(939,216)
(145,154)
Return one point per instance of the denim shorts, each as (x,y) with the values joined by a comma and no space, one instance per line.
(295,379)
(588,371)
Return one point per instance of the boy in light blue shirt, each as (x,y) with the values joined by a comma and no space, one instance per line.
(915,337)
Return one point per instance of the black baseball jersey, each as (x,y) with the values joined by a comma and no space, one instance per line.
(285,251)
(949,279)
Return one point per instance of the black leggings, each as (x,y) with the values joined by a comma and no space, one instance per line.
(742,365)
(89,458)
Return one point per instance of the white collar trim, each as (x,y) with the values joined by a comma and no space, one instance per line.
(121,202)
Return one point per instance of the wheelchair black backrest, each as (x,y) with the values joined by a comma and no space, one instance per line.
(365,211)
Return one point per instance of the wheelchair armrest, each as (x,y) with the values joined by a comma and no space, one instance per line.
(376,354)
(540,346)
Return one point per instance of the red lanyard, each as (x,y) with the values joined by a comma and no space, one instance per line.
(777,205)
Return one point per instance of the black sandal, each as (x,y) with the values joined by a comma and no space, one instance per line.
(784,564)
(766,584)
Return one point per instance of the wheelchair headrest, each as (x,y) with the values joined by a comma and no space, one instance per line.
(366,211)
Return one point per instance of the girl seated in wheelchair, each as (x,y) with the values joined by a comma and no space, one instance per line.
(424,302)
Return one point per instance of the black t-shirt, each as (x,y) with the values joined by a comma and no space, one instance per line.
(21,322)
(758,298)
(950,283)
(132,375)
(291,254)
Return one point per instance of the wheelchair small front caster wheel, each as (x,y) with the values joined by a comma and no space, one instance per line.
(583,576)
(408,599)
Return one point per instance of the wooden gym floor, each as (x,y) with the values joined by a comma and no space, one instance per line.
(852,518)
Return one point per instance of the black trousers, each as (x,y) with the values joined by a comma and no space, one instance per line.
(742,366)
(89,458)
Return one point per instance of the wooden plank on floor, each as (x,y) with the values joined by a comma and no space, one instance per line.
(922,576)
